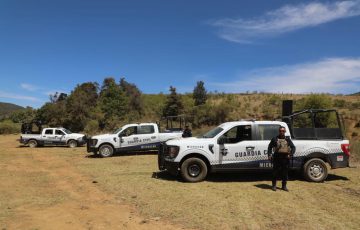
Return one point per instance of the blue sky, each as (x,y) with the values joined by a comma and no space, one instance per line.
(234,46)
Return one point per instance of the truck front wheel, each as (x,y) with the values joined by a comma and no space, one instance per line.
(315,170)
(72,144)
(106,150)
(33,143)
(193,170)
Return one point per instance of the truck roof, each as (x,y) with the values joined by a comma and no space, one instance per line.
(145,123)
(249,122)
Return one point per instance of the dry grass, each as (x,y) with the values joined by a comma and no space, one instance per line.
(231,201)
(223,201)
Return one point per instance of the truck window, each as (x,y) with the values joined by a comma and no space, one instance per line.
(267,132)
(129,131)
(59,132)
(49,132)
(145,129)
(237,134)
(327,125)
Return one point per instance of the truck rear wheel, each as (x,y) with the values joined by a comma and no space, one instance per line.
(106,150)
(193,170)
(315,170)
(72,144)
(33,143)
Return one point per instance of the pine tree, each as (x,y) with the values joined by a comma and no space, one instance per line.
(199,93)
(173,105)
(113,100)
(134,95)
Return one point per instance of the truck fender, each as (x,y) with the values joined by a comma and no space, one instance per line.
(323,156)
(107,143)
(196,153)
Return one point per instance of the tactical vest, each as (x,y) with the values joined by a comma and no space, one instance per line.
(282,146)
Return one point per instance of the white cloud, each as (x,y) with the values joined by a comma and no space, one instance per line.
(29,87)
(285,19)
(18,97)
(332,75)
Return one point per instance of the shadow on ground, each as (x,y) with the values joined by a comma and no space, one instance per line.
(243,177)
(122,154)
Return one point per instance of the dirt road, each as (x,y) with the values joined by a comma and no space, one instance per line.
(42,190)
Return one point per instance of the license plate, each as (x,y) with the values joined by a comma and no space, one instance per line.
(340,158)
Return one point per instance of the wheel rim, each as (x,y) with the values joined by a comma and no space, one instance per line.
(194,170)
(106,151)
(32,144)
(72,144)
(316,170)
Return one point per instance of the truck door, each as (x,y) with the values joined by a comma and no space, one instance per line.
(148,139)
(60,137)
(48,136)
(128,137)
(239,150)
(265,132)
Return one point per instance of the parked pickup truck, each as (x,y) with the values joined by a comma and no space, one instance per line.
(242,145)
(53,136)
(131,137)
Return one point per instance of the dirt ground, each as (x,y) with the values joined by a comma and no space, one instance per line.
(42,190)
(63,188)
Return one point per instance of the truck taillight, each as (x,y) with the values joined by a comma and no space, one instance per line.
(346,149)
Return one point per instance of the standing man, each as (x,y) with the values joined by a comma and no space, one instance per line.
(280,150)
(187,132)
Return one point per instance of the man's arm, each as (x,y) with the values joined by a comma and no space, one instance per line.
(271,145)
(292,147)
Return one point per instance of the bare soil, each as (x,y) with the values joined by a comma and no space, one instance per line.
(41,189)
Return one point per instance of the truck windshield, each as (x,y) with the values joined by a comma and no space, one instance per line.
(117,131)
(67,131)
(212,133)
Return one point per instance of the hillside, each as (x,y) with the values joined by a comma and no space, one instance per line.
(8,108)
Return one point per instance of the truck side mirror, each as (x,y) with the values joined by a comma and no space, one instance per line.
(221,140)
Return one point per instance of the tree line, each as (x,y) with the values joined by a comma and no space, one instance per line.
(91,107)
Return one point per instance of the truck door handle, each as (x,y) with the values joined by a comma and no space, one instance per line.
(250,147)
(224,152)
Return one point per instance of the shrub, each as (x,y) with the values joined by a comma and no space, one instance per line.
(9,127)
(339,103)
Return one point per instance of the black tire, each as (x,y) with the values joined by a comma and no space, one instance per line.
(72,144)
(315,170)
(193,170)
(33,144)
(106,150)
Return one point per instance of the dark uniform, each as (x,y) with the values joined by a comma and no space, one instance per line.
(283,149)
(187,132)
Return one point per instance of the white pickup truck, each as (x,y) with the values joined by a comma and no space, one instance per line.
(243,145)
(131,137)
(53,136)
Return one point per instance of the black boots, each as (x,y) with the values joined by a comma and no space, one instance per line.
(273,187)
(283,187)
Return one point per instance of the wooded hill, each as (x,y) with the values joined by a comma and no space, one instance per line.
(8,108)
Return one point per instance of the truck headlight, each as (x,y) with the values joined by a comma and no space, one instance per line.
(173,151)
(93,142)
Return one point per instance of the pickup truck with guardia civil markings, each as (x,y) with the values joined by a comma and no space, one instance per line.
(53,136)
(131,137)
(243,145)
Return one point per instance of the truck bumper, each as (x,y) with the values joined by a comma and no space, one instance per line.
(172,167)
(164,164)
(81,142)
(339,160)
(89,148)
